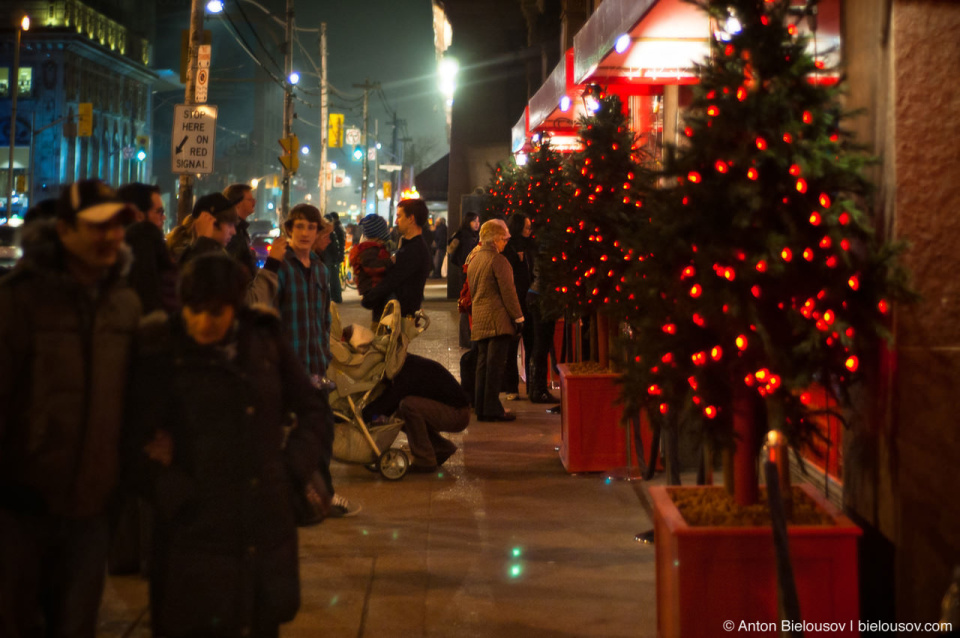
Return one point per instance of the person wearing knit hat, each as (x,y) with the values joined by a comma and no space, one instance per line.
(375,227)
(370,258)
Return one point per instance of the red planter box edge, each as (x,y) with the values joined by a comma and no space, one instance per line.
(710,575)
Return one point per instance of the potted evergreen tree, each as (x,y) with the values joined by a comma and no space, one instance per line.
(583,265)
(762,274)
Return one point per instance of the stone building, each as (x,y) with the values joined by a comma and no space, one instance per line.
(76,53)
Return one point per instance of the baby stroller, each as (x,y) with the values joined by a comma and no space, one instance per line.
(358,367)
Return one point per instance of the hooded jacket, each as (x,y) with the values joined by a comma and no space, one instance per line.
(64,360)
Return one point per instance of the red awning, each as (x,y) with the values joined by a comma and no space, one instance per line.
(520,133)
(663,38)
(552,106)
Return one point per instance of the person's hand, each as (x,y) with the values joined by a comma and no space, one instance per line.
(518,325)
(278,248)
(160,448)
(203,225)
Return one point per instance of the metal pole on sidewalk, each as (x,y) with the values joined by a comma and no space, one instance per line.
(185,191)
(324,115)
(14,86)
(287,109)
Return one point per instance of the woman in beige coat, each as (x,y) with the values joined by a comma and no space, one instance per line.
(497,317)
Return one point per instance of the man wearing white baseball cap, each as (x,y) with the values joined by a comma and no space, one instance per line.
(67,322)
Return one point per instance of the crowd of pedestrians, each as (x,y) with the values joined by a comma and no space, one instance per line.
(175,379)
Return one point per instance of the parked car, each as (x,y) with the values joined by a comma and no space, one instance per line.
(260,246)
(10,250)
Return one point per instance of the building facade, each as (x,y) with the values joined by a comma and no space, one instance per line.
(74,54)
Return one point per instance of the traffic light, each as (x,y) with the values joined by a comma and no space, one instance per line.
(291,149)
(143,142)
(358,152)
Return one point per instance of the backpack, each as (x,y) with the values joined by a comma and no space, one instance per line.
(465,302)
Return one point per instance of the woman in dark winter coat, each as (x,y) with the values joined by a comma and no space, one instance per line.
(212,392)
(517,253)
(460,245)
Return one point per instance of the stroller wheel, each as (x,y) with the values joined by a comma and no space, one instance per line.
(393,464)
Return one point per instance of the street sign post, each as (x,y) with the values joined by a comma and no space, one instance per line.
(203,74)
(353,136)
(200,90)
(193,139)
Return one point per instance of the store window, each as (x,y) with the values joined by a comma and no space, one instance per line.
(24,86)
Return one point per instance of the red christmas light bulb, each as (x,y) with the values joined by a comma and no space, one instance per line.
(664,408)
(696,290)
(824,200)
(761,266)
(752,173)
(883,306)
(786,254)
(787,138)
(716,353)
(844,218)
(710,412)
(815,218)
(742,342)
(720,166)
(694,177)
(854,282)
(801,185)
(713,111)
(794,169)
(807,117)
(852,363)
(761,144)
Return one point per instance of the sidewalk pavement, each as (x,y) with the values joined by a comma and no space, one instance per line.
(501,542)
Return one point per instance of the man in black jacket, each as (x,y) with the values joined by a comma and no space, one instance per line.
(405,281)
(67,323)
(430,401)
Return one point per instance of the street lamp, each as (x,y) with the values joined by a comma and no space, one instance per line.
(14,85)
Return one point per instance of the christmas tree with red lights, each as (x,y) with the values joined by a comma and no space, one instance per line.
(505,191)
(546,185)
(763,273)
(606,185)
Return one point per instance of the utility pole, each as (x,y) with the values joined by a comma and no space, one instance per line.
(366,86)
(394,179)
(287,111)
(324,115)
(185,194)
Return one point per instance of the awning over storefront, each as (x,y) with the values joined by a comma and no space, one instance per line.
(432,181)
(642,42)
(660,41)
(552,107)
(520,133)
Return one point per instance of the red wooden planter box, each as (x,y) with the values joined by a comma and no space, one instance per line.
(708,576)
(592,438)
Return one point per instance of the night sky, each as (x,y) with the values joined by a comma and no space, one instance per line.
(385,41)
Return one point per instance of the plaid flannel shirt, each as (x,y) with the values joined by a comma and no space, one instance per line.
(303,299)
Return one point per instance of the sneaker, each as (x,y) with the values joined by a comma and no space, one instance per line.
(342,508)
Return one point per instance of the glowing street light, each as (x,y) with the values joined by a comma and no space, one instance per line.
(294,78)
(215,6)
(447,72)
(305,149)
(14,85)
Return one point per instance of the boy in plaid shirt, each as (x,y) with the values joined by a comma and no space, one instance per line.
(303,299)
